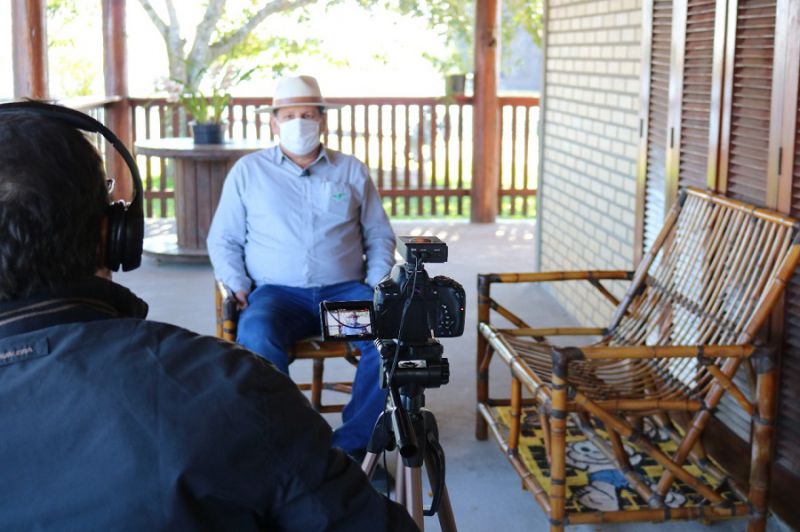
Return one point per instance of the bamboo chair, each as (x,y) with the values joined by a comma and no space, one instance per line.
(688,320)
(314,349)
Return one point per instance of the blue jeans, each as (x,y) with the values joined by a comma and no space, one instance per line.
(278,316)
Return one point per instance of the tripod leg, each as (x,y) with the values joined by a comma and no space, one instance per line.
(369,464)
(413,502)
(400,482)
(447,520)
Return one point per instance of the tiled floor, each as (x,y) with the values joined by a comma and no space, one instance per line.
(485,491)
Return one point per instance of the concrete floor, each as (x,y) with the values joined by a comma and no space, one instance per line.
(485,491)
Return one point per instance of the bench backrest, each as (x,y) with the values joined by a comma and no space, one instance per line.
(712,277)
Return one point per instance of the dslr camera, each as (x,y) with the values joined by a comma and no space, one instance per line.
(407,306)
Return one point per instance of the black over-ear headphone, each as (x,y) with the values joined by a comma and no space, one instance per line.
(125,220)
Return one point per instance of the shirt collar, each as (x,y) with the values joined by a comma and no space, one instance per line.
(278,157)
(89,298)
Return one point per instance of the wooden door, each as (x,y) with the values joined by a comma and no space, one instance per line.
(653,120)
(690,124)
(734,131)
(747,98)
(785,195)
(745,136)
(682,39)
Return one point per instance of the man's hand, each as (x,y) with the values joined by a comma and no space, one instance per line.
(241,299)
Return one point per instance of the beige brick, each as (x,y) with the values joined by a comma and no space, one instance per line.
(591,145)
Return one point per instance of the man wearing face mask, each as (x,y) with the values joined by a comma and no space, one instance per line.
(298,224)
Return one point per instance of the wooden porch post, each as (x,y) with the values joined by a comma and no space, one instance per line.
(29,30)
(486,134)
(115,68)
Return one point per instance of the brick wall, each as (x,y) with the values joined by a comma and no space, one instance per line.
(590,129)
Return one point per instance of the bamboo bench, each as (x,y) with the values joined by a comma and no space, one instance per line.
(689,319)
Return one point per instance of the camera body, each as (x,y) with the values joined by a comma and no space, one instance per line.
(436,310)
(407,304)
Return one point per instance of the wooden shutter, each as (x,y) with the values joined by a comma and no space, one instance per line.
(698,64)
(751,45)
(655,122)
(787,451)
(746,122)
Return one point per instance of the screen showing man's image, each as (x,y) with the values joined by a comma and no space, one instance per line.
(349,322)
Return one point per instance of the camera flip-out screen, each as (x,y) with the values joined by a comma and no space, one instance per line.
(347,320)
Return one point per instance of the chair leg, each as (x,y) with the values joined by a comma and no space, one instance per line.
(516,414)
(544,422)
(316,383)
(482,357)
(763,432)
(558,437)
(482,392)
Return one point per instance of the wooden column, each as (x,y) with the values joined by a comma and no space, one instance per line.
(115,69)
(486,133)
(29,29)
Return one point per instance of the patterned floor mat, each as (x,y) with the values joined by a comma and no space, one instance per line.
(593,482)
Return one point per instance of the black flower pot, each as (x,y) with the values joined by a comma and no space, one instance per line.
(455,84)
(209,133)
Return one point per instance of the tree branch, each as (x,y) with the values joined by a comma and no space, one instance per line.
(160,24)
(173,16)
(225,44)
(197,56)
(172,37)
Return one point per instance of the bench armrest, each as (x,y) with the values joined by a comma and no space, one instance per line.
(540,277)
(701,352)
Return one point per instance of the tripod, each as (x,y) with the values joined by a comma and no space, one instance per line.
(413,430)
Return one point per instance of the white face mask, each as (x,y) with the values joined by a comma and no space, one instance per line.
(300,136)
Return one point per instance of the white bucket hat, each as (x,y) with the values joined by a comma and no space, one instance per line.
(296,90)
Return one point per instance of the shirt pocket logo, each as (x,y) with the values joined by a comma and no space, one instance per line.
(338,201)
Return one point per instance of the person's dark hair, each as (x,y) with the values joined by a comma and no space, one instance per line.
(52,199)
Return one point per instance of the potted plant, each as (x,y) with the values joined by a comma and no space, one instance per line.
(205,104)
(454,66)
(206,111)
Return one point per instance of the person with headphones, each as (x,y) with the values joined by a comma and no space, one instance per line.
(113,422)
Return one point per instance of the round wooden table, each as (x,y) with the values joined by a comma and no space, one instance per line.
(200,171)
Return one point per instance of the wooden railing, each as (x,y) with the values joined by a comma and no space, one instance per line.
(419,150)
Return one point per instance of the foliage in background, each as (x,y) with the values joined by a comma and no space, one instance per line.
(454,21)
(224,36)
(206,103)
(73,73)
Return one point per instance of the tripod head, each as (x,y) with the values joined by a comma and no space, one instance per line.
(419,363)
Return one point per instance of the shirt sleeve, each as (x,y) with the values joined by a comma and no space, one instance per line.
(226,237)
(377,234)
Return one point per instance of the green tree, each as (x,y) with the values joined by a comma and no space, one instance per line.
(223,36)
(73,68)
(454,21)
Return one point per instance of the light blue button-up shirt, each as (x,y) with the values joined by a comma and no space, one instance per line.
(279,224)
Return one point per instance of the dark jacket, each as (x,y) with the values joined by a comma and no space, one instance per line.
(111,422)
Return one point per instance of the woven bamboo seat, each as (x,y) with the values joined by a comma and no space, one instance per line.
(617,379)
(689,318)
(314,349)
